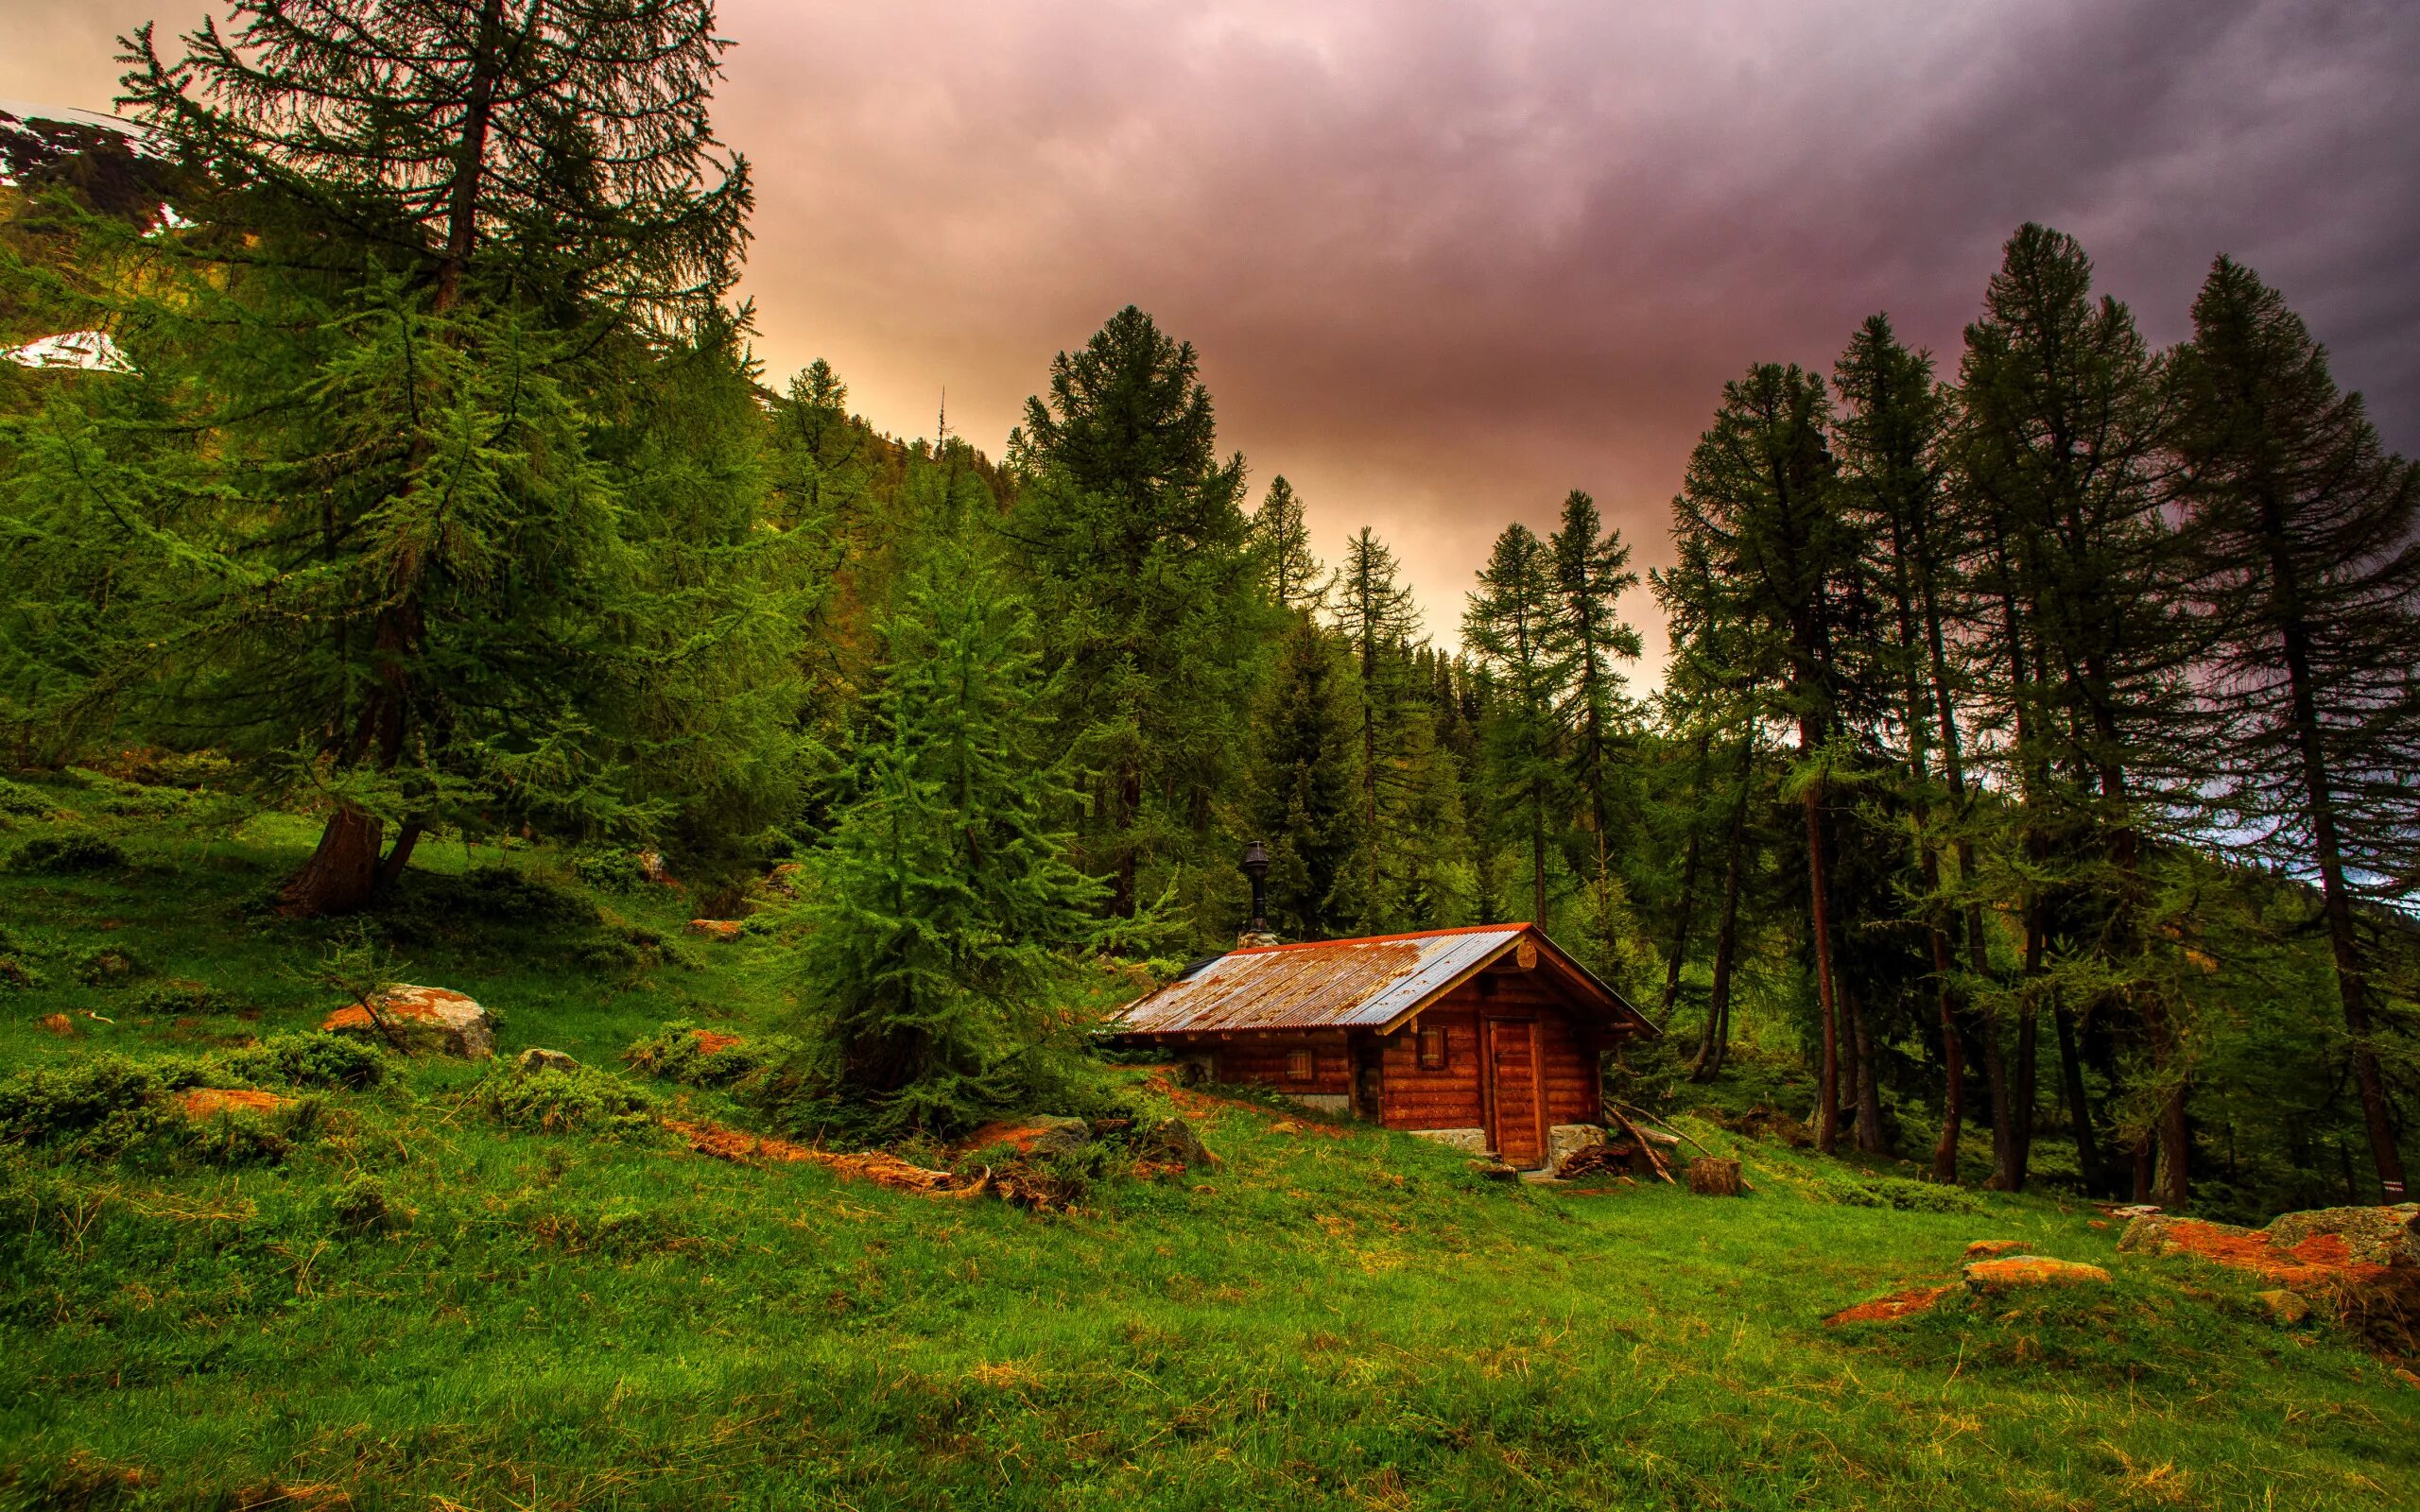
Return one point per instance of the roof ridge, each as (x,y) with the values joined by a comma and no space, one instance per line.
(1381,939)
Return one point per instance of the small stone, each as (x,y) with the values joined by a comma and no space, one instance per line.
(425,1018)
(725,930)
(1995,1248)
(2284,1306)
(1496,1170)
(2020,1272)
(537,1059)
(199,1102)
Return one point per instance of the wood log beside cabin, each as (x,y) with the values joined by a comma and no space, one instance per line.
(1491,1039)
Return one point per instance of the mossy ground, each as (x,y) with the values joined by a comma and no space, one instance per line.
(422,1307)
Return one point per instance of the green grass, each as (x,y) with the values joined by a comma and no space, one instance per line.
(1335,1318)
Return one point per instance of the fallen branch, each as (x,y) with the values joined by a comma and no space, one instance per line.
(1652,1158)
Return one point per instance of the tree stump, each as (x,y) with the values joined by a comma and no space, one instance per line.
(1710,1176)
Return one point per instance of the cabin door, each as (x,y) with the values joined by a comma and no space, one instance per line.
(1514,1107)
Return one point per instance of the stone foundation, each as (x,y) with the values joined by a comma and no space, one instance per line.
(1563,1138)
(1473,1139)
(1321,1102)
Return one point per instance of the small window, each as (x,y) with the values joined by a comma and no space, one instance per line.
(1432,1049)
(1298,1065)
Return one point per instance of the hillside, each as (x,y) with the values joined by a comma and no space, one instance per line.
(401,1296)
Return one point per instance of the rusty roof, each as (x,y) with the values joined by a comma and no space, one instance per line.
(1359,984)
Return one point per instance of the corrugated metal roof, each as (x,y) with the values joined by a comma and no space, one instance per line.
(1357,983)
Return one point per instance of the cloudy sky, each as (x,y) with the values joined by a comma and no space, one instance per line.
(1444,262)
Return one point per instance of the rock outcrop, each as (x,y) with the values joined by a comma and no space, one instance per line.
(423,1019)
(2023,1272)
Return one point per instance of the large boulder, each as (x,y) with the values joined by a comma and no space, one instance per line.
(2014,1273)
(423,1019)
(2366,1236)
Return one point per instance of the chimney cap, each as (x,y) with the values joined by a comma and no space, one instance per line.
(1257,859)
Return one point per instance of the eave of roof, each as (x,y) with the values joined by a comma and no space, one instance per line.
(1377,983)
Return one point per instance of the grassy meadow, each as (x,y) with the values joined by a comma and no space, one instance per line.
(406,1300)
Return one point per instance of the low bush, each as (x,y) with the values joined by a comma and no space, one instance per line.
(615,871)
(17,801)
(363,1207)
(109,1108)
(70,855)
(110,966)
(693,1057)
(311,1060)
(181,997)
(552,1101)
(1860,1190)
(18,975)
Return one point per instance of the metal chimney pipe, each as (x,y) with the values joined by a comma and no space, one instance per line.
(1256,867)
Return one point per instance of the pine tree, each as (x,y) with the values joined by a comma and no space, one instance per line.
(1890,434)
(2306,539)
(1139,557)
(1592,571)
(2057,458)
(940,913)
(1284,542)
(1306,802)
(1380,623)
(398,548)
(1775,554)
(1514,627)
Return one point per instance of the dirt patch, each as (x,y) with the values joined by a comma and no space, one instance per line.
(881,1168)
(204,1102)
(1888,1309)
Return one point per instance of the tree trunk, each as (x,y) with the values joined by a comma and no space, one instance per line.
(2175,1154)
(1688,892)
(1827,1112)
(469,169)
(1953,1048)
(342,871)
(1870,1137)
(2079,1106)
(2336,901)
(1716,1043)
(2024,1092)
(399,855)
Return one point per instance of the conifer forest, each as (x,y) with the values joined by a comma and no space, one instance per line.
(2028,802)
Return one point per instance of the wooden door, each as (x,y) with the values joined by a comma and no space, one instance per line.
(1515,1125)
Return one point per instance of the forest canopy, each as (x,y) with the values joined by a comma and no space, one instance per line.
(2061,687)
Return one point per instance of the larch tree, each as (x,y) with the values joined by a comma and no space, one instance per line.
(1306,802)
(943,908)
(1380,623)
(441,238)
(1514,627)
(2059,458)
(1760,506)
(2306,540)
(1592,571)
(1284,542)
(1138,551)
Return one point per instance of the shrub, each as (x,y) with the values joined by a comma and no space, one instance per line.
(20,802)
(62,855)
(47,1104)
(681,1052)
(1863,1191)
(180,997)
(554,1100)
(616,870)
(362,1208)
(16,976)
(486,901)
(109,967)
(312,1060)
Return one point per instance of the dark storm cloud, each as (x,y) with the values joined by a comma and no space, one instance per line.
(1444,262)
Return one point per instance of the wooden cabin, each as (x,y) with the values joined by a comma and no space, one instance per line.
(1490,1038)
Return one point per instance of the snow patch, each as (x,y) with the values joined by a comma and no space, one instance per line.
(89,351)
